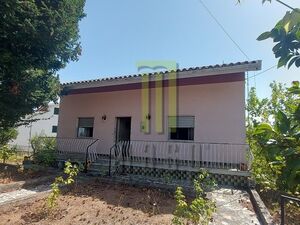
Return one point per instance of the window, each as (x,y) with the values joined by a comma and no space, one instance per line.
(56,111)
(181,128)
(85,127)
(54,129)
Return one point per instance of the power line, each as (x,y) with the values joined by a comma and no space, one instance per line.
(223,28)
(290,7)
(264,71)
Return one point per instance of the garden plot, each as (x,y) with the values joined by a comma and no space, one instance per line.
(97,202)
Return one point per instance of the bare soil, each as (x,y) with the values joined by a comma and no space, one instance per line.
(12,173)
(272,200)
(96,203)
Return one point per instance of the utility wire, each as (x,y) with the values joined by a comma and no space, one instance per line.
(264,71)
(283,3)
(223,28)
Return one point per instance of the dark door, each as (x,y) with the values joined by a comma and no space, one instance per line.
(123,129)
(123,134)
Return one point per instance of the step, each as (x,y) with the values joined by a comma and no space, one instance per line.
(71,156)
(105,162)
(101,167)
(96,171)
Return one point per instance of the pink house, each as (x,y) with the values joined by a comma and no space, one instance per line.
(157,122)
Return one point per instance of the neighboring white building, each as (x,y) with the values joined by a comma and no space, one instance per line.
(46,125)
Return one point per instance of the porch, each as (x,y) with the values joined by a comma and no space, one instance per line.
(218,158)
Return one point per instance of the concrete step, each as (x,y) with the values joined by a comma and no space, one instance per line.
(101,162)
(105,162)
(101,169)
(97,171)
(99,166)
(71,156)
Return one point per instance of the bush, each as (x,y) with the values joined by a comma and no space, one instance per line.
(44,150)
(6,135)
(6,152)
(201,209)
(71,171)
(275,142)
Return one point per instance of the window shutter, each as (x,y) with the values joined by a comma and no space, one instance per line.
(86,122)
(182,121)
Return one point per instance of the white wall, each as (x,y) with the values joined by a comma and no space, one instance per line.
(42,126)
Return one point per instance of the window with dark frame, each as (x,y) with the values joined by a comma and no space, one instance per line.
(85,127)
(181,128)
(56,111)
(54,129)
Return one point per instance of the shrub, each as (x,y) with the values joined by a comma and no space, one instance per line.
(6,135)
(71,170)
(44,150)
(6,152)
(275,142)
(201,209)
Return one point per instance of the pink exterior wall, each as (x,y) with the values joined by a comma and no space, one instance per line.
(219,111)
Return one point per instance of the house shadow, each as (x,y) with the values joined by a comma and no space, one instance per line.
(12,178)
(9,172)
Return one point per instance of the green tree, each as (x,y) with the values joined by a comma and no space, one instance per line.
(286,36)
(37,38)
(6,152)
(262,110)
(44,150)
(7,134)
(257,109)
(276,141)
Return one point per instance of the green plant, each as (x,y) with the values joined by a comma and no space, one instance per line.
(7,134)
(286,35)
(167,178)
(44,150)
(6,152)
(39,39)
(201,209)
(275,142)
(71,170)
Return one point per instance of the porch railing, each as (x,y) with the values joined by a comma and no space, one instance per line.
(84,146)
(183,154)
(283,200)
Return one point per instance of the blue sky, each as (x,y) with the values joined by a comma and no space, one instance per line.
(117,34)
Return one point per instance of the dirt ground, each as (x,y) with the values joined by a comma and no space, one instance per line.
(12,173)
(95,203)
(272,199)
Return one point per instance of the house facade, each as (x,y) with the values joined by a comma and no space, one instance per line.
(199,116)
(44,123)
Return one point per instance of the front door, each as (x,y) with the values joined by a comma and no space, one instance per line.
(123,134)
(123,129)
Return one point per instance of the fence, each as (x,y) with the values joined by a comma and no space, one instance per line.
(189,154)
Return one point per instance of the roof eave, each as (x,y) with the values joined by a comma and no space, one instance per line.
(183,73)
